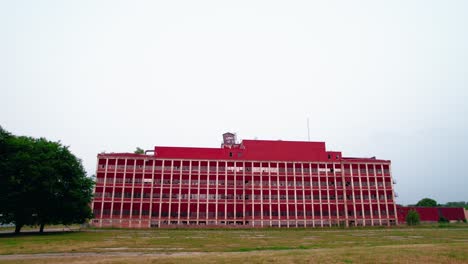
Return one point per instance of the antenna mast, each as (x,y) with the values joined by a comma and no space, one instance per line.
(308,130)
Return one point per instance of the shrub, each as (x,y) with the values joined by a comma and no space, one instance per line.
(412,218)
(443,220)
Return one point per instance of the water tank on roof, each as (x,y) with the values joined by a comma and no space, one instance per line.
(229,138)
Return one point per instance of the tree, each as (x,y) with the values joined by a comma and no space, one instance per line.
(139,151)
(41,183)
(412,218)
(427,202)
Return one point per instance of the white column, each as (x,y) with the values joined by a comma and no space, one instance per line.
(385,194)
(269,194)
(295,193)
(141,193)
(180,191)
(362,196)
(304,210)
(170,191)
(189,193)
(217,193)
(133,192)
(369,193)
(113,191)
(287,192)
(161,192)
(312,194)
(225,191)
(353,195)
(261,194)
(103,192)
(377,193)
(320,193)
(198,196)
(393,194)
(124,185)
(153,161)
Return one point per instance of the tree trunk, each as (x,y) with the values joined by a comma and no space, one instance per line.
(41,228)
(18,228)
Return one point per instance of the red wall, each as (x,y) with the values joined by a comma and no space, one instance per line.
(432,214)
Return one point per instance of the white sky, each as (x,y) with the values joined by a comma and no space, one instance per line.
(376,78)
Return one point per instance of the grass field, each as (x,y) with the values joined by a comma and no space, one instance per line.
(426,244)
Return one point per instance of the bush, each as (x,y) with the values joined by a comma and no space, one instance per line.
(412,218)
(443,220)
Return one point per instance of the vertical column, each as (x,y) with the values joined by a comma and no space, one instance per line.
(312,195)
(161,193)
(253,194)
(198,196)
(170,191)
(226,201)
(393,194)
(207,191)
(103,191)
(385,194)
(142,183)
(269,194)
(189,197)
(217,194)
(124,185)
(235,193)
(352,194)
(335,178)
(328,195)
(369,193)
(304,210)
(320,194)
(180,190)
(113,191)
(261,194)
(153,162)
(295,193)
(133,192)
(362,196)
(287,192)
(278,191)
(244,186)
(377,193)
(345,189)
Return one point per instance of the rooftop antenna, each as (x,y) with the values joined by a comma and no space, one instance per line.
(308,130)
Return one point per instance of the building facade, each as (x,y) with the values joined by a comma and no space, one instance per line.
(255,183)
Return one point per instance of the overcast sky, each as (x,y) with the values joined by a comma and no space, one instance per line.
(375,78)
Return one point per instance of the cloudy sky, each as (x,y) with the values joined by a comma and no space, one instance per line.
(375,78)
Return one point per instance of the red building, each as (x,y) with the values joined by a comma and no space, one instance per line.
(254,183)
(432,214)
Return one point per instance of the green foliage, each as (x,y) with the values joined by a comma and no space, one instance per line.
(427,202)
(41,183)
(412,218)
(139,151)
(456,204)
(442,219)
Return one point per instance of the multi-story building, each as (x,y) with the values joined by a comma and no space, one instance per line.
(256,183)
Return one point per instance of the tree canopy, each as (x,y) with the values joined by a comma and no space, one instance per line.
(139,151)
(41,182)
(427,202)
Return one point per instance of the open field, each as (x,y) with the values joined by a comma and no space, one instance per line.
(430,244)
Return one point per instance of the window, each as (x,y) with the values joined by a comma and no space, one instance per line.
(329,156)
(230,154)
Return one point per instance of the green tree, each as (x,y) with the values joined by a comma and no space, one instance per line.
(427,202)
(41,183)
(412,218)
(139,151)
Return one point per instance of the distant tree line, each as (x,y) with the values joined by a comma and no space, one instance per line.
(41,183)
(428,202)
